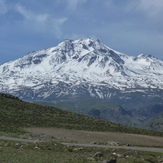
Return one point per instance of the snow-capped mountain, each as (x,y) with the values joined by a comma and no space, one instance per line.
(76,67)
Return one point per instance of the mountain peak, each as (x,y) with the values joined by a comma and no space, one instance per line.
(89,42)
(75,65)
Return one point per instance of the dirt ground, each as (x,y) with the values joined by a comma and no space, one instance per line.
(98,137)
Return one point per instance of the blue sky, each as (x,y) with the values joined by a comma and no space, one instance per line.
(129,26)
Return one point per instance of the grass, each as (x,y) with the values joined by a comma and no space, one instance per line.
(93,107)
(53,152)
(16,114)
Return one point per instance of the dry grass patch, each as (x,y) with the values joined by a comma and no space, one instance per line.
(99,137)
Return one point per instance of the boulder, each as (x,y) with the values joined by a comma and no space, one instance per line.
(98,154)
(113,143)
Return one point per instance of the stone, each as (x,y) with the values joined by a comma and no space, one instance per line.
(91,158)
(120,155)
(98,154)
(113,143)
(78,149)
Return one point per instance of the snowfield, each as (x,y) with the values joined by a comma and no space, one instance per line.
(73,65)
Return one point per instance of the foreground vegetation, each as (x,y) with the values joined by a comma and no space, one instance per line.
(16,114)
(53,152)
(19,117)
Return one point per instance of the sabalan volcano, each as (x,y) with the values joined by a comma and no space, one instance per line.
(85,69)
(80,67)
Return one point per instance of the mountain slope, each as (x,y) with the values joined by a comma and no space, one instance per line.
(93,107)
(16,114)
(80,67)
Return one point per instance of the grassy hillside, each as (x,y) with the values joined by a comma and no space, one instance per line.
(92,107)
(136,117)
(155,123)
(16,114)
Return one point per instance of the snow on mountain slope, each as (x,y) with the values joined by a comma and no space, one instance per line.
(84,65)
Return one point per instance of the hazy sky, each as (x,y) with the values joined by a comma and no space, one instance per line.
(129,26)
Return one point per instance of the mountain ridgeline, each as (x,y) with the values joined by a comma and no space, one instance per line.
(86,69)
(80,67)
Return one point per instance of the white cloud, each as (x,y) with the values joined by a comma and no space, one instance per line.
(74,36)
(152,7)
(74,3)
(3,8)
(28,15)
(41,22)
